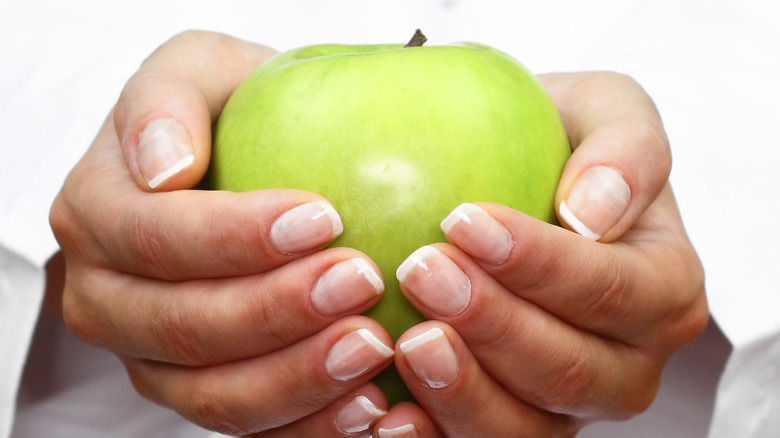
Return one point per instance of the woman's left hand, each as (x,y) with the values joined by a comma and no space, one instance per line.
(534,330)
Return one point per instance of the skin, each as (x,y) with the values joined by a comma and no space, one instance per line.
(165,290)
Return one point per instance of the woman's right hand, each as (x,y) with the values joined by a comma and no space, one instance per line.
(222,306)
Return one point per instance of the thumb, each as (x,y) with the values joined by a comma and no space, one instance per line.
(621,159)
(164,115)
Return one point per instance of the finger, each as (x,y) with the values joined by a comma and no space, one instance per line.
(406,420)
(165,112)
(460,397)
(169,235)
(535,355)
(189,322)
(352,415)
(613,290)
(621,158)
(273,390)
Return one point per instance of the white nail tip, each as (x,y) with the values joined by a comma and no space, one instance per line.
(462,212)
(422,339)
(568,216)
(367,271)
(375,343)
(358,415)
(417,258)
(370,408)
(396,431)
(347,358)
(166,174)
(335,219)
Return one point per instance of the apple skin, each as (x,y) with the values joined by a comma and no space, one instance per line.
(394,138)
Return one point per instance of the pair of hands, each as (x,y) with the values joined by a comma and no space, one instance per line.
(189,288)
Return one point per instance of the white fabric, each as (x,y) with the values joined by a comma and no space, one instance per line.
(748,402)
(19,302)
(711,66)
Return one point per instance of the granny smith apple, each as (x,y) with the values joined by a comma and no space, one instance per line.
(394,137)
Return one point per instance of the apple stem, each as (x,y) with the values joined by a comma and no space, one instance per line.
(418,39)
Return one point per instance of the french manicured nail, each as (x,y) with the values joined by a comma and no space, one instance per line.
(478,233)
(358,415)
(305,227)
(345,286)
(355,354)
(405,431)
(164,149)
(599,199)
(436,281)
(432,358)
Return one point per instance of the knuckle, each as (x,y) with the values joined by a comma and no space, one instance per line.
(633,393)
(687,314)
(693,322)
(608,304)
(148,248)
(638,400)
(212,406)
(208,409)
(71,225)
(171,327)
(137,372)
(202,401)
(149,240)
(572,384)
(84,316)
(691,319)
(583,389)
(66,229)
(76,318)
(59,218)
(272,319)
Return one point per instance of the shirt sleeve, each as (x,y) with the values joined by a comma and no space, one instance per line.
(748,397)
(21,292)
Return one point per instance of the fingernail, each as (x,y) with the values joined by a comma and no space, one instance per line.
(305,227)
(478,233)
(358,415)
(436,281)
(355,354)
(597,202)
(164,149)
(345,286)
(432,358)
(405,431)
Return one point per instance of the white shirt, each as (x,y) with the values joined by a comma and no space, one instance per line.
(711,67)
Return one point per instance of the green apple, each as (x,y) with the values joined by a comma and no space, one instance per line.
(394,137)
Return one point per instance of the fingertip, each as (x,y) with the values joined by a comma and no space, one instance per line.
(164,150)
(596,202)
(347,285)
(621,155)
(358,414)
(428,358)
(478,233)
(164,115)
(166,142)
(406,420)
(306,226)
(360,348)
